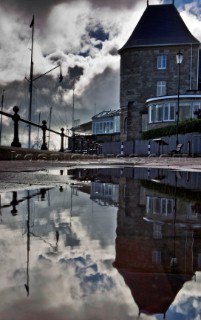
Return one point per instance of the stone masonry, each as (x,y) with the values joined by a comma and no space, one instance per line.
(139,76)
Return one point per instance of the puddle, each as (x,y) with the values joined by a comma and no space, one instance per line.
(113,243)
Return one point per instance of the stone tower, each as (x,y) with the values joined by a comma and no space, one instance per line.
(149,72)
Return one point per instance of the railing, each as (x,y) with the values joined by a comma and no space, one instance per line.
(16,118)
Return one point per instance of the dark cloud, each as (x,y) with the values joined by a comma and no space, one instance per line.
(96,97)
(115,4)
(41,9)
(74,74)
(48,92)
(46,5)
(84,46)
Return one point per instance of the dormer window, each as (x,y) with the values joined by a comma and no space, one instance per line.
(162,61)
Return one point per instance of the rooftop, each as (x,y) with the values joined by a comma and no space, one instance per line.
(160,25)
(106,114)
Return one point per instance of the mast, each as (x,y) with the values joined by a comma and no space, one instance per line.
(73,119)
(2,101)
(38,130)
(73,114)
(31,81)
(50,126)
(28,242)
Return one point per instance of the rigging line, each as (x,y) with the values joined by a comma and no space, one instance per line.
(62,120)
(25,92)
(56,121)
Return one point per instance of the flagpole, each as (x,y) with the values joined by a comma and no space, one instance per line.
(50,125)
(2,101)
(32,79)
(31,82)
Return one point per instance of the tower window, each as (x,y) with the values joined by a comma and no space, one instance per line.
(161,61)
(161,88)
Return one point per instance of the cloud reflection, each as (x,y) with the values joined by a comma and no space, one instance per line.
(78,283)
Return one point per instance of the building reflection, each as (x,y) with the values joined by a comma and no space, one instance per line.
(105,194)
(158,234)
(158,244)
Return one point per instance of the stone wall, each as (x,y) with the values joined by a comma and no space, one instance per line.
(139,76)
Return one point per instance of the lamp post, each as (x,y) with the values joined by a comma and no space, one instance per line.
(179,59)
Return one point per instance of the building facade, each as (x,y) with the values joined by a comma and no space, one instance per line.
(154,89)
(106,125)
(88,137)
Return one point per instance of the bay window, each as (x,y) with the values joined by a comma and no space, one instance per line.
(161,112)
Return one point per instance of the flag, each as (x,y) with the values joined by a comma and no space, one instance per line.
(32,22)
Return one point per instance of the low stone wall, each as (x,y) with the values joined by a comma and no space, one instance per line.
(191,146)
(13,154)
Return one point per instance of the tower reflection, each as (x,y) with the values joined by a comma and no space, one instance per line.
(158,238)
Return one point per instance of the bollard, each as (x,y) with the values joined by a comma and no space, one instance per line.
(44,128)
(81,145)
(122,148)
(149,148)
(16,119)
(189,149)
(62,140)
(97,148)
(14,203)
(88,146)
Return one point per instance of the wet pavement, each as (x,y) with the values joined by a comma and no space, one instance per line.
(21,174)
(101,239)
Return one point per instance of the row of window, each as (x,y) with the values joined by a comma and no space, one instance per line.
(105,190)
(157,257)
(160,206)
(163,112)
(106,126)
(166,207)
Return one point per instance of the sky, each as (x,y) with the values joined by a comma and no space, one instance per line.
(84,37)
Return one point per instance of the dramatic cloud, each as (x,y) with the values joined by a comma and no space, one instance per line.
(84,36)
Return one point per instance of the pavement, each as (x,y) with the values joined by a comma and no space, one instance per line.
(28,174)
(176,163)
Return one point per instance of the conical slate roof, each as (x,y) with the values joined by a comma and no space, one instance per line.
(160,25)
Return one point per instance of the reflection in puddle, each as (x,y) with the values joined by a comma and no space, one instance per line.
(120,242)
